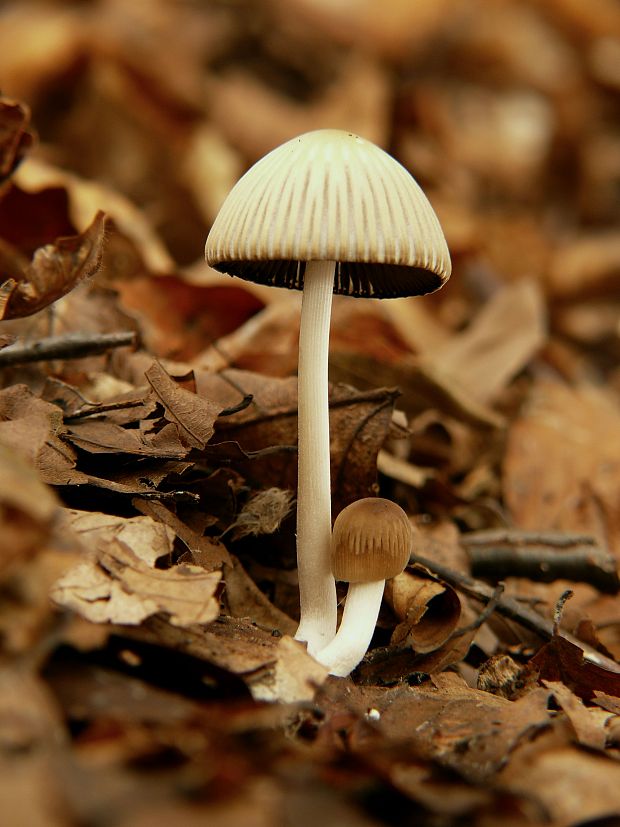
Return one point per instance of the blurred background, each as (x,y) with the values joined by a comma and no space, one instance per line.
(506,112)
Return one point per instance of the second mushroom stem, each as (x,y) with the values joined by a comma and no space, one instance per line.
(361,610)
(317,589)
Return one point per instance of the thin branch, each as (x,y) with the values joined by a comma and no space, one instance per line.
(544,557)
(72,346)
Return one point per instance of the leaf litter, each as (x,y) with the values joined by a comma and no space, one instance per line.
(148,467)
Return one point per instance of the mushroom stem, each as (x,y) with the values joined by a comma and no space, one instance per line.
(317,589)
(357,626)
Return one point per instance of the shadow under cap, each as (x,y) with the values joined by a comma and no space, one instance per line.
(331,196)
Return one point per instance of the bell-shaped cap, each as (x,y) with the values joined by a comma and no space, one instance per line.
(371,540)
(329,195)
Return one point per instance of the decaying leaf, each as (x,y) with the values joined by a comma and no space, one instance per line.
(55,270)
(148,540)
(429,611)
(34,428)
(15,138)
(118,587)
(562,463)
(194,416)
(28,509)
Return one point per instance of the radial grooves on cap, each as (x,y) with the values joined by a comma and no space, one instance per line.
(329,195)
(371,540)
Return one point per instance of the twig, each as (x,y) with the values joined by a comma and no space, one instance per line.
(559,610)
(544,557)
(72,346)
(510,608)
(484,615)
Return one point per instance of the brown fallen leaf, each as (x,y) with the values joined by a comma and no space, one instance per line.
(137,247)
(273,667)
(569,786)
(116,586)
(500,342)
(54,271)
(266,430)
(589,723)
(34,427)
(559,660)
(561,468)
(429,611)
(15,138)
(193,415)
(293,677)
(180,318)
(244,599)
(28,509)
(207,552)
(148,539)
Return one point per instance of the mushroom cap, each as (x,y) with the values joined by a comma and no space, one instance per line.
(329,195)
(371,540)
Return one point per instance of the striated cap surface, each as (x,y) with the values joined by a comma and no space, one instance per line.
(371,540)
(330,195)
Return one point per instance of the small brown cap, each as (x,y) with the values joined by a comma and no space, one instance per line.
(371,540)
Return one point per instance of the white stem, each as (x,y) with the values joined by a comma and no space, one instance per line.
(317,589)
(357,626)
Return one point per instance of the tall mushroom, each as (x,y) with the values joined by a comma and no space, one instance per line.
(371,542)
(326,212)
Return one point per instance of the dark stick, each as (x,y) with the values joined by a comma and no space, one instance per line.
(72,346)
(510,608)
(544,557)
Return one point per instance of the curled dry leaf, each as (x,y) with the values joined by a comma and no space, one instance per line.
(54,271)
(562,661)
(83,199)
(118,587)
(429,611)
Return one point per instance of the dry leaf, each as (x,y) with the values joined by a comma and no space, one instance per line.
(295,676)
(148,540)
(15,139)
(54,271)
(118,587)
(429,611)
(194,416)
(562,463)
(500,342)
(28,509)
(35,428)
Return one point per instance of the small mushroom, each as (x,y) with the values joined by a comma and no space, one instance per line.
(371,542)
(326,212)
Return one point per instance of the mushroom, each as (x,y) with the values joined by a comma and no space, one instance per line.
(371,542)
(326,212)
